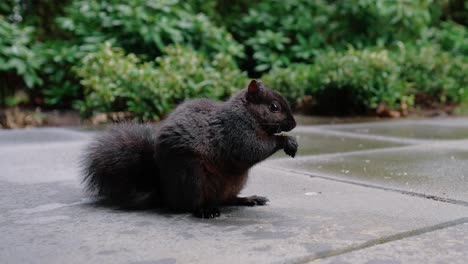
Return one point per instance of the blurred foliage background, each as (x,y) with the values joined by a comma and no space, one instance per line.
(145,57)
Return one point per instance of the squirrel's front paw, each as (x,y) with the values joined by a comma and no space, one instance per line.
(290,146)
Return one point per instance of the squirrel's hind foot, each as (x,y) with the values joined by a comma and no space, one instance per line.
(253,200)
(207,212)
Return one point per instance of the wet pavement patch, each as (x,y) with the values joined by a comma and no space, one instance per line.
(434,171)
(323,120)
(407,130)
(311,143)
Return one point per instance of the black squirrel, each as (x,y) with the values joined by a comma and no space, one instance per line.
(197,159)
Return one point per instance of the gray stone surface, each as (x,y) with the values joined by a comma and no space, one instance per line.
(35,163)
(39,135)
(323,120)
(312,216)
(317,142)
(442,246)
(414,129)
(430,170)
(305,217)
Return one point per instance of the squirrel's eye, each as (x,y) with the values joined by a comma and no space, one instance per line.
(274,107)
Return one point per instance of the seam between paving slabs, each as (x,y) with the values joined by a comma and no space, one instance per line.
(350,153)
(385,239)
(373,151)
(409,193)
(379,241)
(326,131)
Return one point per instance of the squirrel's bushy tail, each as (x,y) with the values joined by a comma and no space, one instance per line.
(119,166)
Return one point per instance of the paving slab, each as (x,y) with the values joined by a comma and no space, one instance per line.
(324,120)
(406,129)
(41,162)
(39,135)
(52,221)
(454,121)
(448,245)
(429,169)
(47,218)
(318,142)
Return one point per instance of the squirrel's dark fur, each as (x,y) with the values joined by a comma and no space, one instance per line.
(197,159)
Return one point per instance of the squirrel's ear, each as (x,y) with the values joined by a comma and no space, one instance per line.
(253,87)
(253,91)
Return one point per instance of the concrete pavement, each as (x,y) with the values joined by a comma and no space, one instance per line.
(380,192)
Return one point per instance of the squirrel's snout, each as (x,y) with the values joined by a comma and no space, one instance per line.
(289,125)
(293,123)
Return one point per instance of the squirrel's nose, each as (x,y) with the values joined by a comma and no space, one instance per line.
(292,123)
(289,124)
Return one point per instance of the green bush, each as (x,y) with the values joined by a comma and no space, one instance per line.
(356,81)
(351,82)
(6,8)
(356,54)
(222,12)
(111,80)
(38,14)
(61,85)
(185,73)
(368,22)
(454,38)
(450,10)
(450,36)
(147,27)
(19,64)
(114,81)
(292,82)
(434,75)
(16,54)
(282,32)
(141,27)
